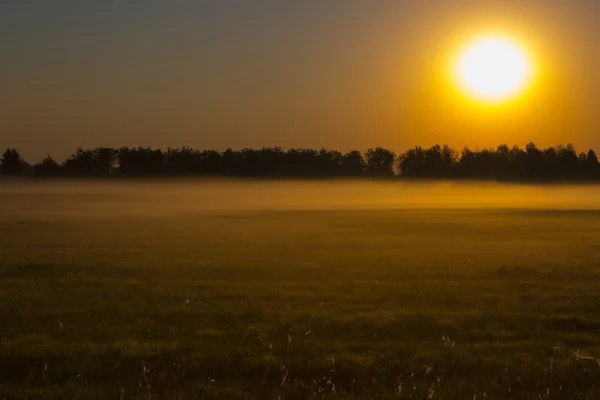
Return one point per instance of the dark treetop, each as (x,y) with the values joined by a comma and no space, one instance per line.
(532,163)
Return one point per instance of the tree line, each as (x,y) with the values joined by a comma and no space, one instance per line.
(503,162)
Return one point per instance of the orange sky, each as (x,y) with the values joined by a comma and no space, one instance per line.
(326,73)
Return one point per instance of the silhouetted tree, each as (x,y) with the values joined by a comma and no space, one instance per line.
(47,167)
(184,161)
(412,162)
(352,164)
(467,165)
(140,161)
(502,165)
(81,163)
(449,160)
(212,162)
(568,160)
(12,163)
(231,162)
(437,161)
(97,162)
(533,164)
(300,162)
(380,162)
(592,168)
(105,160)
(262,162)
(504,162)
(329,162)
(592,158)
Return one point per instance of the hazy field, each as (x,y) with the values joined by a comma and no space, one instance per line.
(268,290)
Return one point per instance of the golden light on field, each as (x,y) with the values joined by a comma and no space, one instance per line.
(493,69)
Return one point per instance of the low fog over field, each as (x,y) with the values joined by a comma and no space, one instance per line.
(201,196)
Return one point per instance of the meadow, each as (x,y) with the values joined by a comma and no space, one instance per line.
(207,290)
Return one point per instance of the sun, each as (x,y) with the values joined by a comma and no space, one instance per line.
(493,69)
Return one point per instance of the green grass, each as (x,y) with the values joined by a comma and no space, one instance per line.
(381,304)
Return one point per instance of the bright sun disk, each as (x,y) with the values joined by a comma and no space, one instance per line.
(493,69)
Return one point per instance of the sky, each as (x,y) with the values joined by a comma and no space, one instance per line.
(344,75)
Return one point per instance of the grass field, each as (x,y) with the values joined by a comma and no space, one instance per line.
(102,298)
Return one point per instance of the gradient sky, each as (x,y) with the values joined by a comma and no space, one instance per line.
(306,73)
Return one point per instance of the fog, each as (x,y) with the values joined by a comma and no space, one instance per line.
(210,196)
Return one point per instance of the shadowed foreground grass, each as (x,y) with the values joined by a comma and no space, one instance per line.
(428,304)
